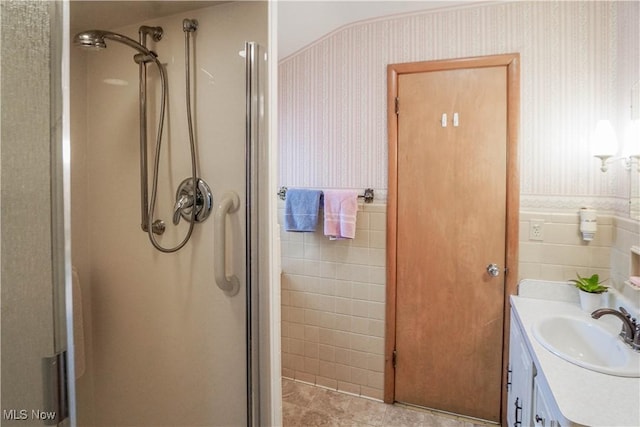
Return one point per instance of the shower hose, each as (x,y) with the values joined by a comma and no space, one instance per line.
(187,35)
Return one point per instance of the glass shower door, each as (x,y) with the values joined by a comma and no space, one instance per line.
(166,346)
(34,367)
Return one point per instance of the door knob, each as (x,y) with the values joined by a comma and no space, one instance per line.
(493,270)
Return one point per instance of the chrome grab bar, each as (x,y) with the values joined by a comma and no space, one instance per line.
(229,203)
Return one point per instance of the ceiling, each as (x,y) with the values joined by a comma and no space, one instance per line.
(107,15)
(300,22)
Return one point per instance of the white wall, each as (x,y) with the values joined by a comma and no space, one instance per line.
(301,23)
(167,346)
(333,94)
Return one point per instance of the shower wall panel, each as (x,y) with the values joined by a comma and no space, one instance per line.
(79,224)
(168,346)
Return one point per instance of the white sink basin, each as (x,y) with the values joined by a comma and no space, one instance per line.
(585,343)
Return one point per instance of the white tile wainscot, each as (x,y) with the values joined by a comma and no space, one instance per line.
(584,397)
(333,296)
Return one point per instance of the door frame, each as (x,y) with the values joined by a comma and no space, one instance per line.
(512,63)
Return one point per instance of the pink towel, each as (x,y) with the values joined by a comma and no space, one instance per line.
(340,210)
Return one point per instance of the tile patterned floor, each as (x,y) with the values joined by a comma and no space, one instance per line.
(307,405)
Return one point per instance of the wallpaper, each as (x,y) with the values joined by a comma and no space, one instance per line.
(332,94)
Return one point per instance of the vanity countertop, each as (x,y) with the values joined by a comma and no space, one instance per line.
(584,397)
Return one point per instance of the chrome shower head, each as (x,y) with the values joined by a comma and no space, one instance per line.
(95,39)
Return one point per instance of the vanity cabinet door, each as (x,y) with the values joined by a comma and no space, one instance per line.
(543,414)
(543,410)
(520,385)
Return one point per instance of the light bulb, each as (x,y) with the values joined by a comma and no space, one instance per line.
(605,141)
(632,140)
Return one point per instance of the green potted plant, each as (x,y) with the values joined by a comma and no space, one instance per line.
(591,291)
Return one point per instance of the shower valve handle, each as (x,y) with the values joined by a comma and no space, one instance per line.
(192,203)
(185,201)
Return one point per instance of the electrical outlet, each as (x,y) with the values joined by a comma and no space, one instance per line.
(536,229)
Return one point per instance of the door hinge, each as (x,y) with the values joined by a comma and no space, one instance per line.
(397,108)
(394,358)
(55,391)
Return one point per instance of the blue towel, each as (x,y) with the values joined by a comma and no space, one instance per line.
(301,209)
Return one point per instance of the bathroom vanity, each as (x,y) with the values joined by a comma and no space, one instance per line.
(546,389)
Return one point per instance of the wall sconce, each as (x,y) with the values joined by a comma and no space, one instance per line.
(605,143)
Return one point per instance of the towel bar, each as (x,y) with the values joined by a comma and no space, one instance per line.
(367,196)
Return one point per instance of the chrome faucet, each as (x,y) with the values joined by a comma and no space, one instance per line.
(635,344)
(629,332)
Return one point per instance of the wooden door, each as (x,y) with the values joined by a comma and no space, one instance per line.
(451,195)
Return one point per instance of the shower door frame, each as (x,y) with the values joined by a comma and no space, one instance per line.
(254,74)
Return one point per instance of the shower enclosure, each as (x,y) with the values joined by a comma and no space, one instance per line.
(166,345)
(156,341)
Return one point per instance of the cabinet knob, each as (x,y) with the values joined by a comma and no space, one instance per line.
(539,419)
